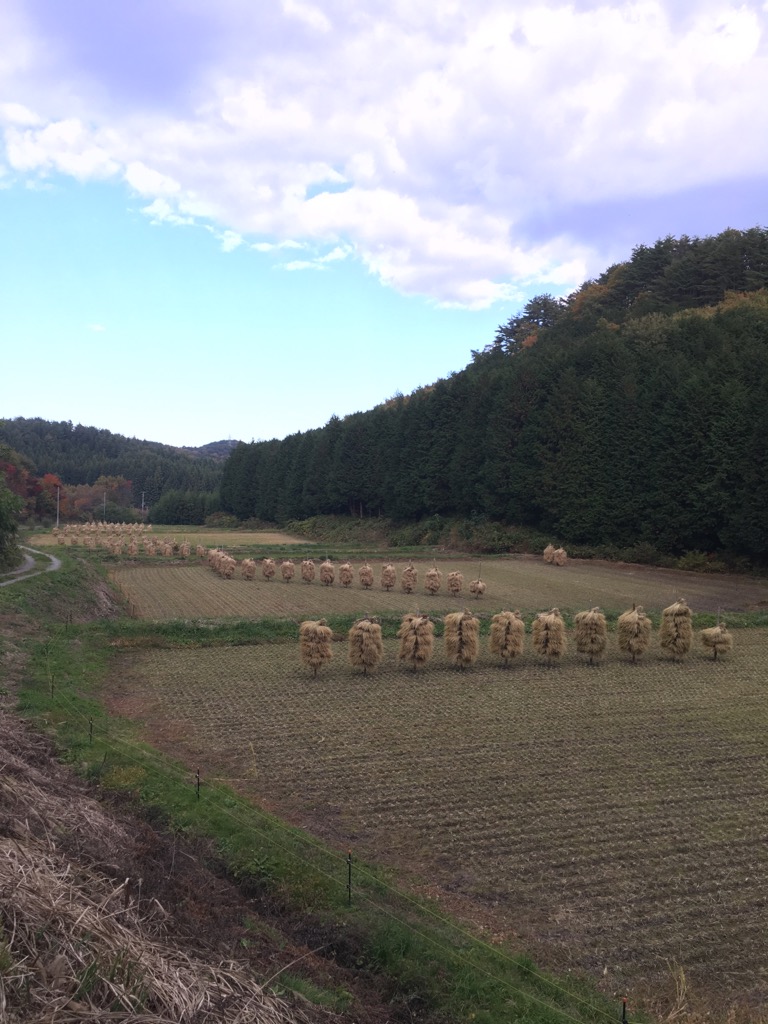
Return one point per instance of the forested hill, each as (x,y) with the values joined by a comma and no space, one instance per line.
(80,455)
(634,411)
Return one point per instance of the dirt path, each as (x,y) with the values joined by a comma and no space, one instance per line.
(22,572)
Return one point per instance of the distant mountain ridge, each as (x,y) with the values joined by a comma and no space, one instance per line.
(80,455)
(216,450)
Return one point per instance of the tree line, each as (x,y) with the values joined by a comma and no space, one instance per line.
(80,455)
(634,411)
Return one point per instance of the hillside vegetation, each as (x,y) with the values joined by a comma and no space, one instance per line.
(633,412)
(80,455)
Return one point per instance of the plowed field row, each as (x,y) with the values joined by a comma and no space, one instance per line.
(194,591)
(616,816)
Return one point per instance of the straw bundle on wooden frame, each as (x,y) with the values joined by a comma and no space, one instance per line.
(327,573)
(455,582)
(388,577)
(287,570)
(315,644)
(549,553)
(417,640)
(591,634)
(268,569)
(507,637)
(633,631)
(365,644)
(559,556)
(717,639)
(308,570)
(432,580)
(248,569)
(462,638)
(346,574)
(676,633)
(477,587)
(366,576)
(408,579)
(549,634)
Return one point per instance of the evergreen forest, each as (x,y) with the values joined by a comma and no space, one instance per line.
(634,411)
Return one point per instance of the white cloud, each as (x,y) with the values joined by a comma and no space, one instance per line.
(67,146)
(418,138)
(161,212)
(18,114)
(147,182)
(97,328)
(308,14)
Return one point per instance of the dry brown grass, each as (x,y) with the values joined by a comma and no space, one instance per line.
(77,946)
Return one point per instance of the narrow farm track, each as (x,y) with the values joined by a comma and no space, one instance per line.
(23,572)
(613,816)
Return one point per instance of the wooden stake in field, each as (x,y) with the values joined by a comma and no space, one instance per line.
(549,634)
(455,583)
(365,644)
(346,574)
(287,570)
(308,570)
(634,632)
(676,634)
(507,637)
(366,576)
(462,638)
(315,644)
(432,580)
(327,573)
(388,576)
(417,639)
(268,569)
(717,639)
(591,634)
(408,579)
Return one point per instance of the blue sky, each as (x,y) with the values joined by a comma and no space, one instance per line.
(236,220)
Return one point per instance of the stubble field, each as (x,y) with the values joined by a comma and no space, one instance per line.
(192,590)
(611,819)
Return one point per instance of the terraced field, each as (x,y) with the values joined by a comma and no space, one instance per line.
(194,591)
(613,818)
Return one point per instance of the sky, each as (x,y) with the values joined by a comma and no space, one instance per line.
(237,219)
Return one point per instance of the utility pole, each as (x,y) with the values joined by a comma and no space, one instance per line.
(58,501)
(104,516)
(142,502)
